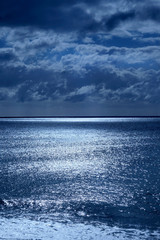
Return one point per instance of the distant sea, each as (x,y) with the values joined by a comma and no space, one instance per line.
(80,178)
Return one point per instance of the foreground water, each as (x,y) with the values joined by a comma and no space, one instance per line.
(80,178)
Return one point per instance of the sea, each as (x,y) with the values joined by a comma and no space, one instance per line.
(79,178)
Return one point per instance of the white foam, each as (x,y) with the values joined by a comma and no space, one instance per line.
(26,229)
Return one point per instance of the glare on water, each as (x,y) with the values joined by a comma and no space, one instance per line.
(81,170)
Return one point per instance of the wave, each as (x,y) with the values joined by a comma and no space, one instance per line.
(82,211)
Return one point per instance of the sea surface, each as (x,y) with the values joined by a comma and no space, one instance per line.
(80,178)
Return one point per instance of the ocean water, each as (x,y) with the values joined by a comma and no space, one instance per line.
(67,178)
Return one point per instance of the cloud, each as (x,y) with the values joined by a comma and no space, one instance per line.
(81,94)
(7,54)
(117,18)
(79,51)
(68,70)
(68,16)
(95,85)
(57,15)
(150,12)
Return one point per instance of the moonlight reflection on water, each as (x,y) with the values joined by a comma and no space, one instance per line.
(81,172)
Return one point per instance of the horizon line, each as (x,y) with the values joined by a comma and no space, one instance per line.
(136,116)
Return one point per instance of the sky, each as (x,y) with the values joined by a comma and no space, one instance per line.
(79,58)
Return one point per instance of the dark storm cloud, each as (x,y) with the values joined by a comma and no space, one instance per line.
(117,18)
(145,13)
(71,15)
(57,15)
(6,56)
(152,12)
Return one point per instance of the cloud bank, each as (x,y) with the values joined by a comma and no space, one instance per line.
(89,53)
